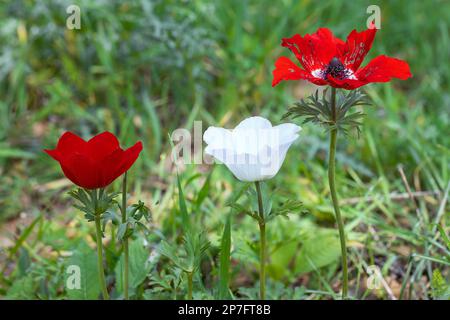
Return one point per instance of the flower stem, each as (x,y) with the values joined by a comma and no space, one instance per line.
(125,241)
(331,180)
(189,276)
(101,271)
(262,240)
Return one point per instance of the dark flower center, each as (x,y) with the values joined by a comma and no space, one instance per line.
(336,69)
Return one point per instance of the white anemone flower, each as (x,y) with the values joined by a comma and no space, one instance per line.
(254,150)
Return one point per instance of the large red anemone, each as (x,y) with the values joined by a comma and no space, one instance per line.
(328,60)
(95,163)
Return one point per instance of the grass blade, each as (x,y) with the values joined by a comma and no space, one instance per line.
(224,268)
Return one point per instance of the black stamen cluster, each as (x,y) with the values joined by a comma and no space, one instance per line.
(336,69)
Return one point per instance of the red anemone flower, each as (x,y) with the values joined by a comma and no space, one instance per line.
(95,163)
(328,60)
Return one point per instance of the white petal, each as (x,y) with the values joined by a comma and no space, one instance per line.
(248,168)
(254,150)
(214,134)
(254,123)
(251,135)
(279,154)
(247,140)
(226,156)
(286,132)
(218,138)
(270,160)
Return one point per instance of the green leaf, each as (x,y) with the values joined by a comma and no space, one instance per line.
(121,231)
(139,210)
(443,236)
(313,109)
(320,248)
(15,153)
(239,208)
(86,259)
(313,248)
(93,202)
(266,196)
(181,198)
(25,234)
(440,289)
(281,259)
(349,100)
(237,194)
(155,123)
(203,193)
(22,289)
(195,245)
(182,205)
(286,208)
(224,267)
(139,266)
(318,110)
(166,250)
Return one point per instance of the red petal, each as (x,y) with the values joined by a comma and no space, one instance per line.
(285,69)
(316,50)
(356,48)
(348,84)
(118,162)
(102,145)
(69,174)
(70,143)
(380,69)
(293,45)
(82,170)
(55,154)
(96,163)
(383,69)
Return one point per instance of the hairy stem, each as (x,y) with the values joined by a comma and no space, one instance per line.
(101,271)
(190,276)
(331,180)
(262,240)
(125,241)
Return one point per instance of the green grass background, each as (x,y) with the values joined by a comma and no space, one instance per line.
(142,69)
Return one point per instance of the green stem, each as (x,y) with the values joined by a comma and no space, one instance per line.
(262,240)
(189,276)
(125,241)
(101,271)
(331,180)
